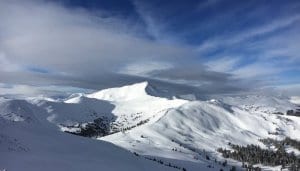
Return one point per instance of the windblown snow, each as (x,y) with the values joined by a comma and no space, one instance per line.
(177,131)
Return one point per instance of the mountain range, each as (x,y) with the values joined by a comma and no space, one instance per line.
(142,126)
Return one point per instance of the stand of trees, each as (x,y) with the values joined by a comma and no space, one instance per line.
(282,143)
(100,127)
(253,154)
(293,113)
(130,127)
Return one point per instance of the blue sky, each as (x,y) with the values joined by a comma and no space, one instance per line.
(240,45)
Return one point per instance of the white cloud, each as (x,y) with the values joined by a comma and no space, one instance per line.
(18,89)
(262,70)
(257,70)
(291,89)
(8,66)
(225,64)
(22,90)
(74,41)
(144,68)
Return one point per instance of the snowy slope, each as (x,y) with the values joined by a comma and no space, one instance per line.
(198,126)
(34,144)
(84,110)
(260,103)
(207,122)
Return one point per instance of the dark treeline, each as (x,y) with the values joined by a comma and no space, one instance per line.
(130,127)
(279,143)
(294,112)
(100,127)
(253,154)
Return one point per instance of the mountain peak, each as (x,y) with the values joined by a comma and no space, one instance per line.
(124,93)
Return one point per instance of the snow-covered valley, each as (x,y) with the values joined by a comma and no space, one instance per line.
(128,128)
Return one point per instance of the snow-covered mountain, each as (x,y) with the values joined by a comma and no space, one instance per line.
(28,141)
(162,131)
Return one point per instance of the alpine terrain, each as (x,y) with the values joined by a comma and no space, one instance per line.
(132,128)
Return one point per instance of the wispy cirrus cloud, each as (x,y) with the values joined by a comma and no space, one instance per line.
(244,35)
(264,51)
